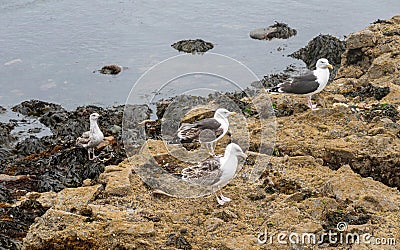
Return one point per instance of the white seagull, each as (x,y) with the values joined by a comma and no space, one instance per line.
(207,131)
(308,84)
(216,171)
(90,139)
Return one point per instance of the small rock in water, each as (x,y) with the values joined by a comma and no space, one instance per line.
(193,46)
(111,69)
(2,110)
(278,30)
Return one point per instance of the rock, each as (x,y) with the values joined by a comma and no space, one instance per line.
(193,46)
(365,38)
(226,215)
(66,198)
(2,110)
(277,30)
(36,108)
(5,136)
(117,181)
(213,223)
(178,241)
(322,46)
(111,69)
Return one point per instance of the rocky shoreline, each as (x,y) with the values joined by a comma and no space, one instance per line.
(336,164)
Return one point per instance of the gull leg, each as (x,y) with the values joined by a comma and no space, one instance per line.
(310,105)
(212,147)
(94,156)
(88,153)
(209,148)
(223,198)
(220,201)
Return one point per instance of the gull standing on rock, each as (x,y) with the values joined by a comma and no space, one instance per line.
(91,139)
(308,84)
(207,131)
(216,171)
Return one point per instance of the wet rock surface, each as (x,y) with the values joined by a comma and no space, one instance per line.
(336,164)
(277,30)
(193,46)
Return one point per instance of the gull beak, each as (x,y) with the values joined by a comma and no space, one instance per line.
(330,66)
(233,113)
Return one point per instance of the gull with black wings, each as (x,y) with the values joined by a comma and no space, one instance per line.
(308,84)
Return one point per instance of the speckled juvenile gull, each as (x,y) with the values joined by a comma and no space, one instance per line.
(308,84)
(207,131)
(92,138)
(215,171)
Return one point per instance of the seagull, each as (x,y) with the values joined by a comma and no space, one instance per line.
(308,84)
(90,139)
(216,171)
(207,131)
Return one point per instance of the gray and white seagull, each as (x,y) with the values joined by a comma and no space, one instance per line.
(308,84)
(207,131)
(216,171)
(92,138)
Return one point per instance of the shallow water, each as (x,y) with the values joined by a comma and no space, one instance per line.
(50,49)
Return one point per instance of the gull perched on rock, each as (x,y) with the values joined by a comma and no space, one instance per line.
(216,171)
(308,84)
(207,131)
(90,139)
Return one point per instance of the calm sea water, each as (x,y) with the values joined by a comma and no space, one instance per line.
(50,48)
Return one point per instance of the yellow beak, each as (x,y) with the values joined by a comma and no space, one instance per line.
(330,66)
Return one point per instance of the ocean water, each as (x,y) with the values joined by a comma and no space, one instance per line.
(51,49)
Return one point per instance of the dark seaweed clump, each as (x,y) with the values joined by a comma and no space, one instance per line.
(322,46)
(382,110)
(369,91)
(15,222)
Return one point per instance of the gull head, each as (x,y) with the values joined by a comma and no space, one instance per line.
(323,63)
(235,149)
(224,113)
(94,117)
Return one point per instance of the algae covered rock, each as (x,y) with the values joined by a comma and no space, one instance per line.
(193,46)
(322,46)
(277,30)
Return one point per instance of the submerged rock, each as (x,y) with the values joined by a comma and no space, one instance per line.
(322,46)
(111,69)
(193,46)
(277,30)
